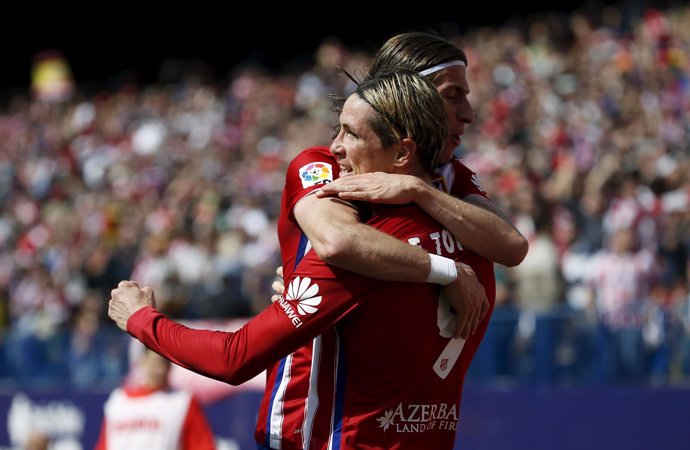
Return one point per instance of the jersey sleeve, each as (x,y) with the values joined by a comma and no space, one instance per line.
(308,309)
(466,182)
(196,431)
(308,171)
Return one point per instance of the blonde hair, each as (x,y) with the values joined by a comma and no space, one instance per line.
(415,51)
(407,106)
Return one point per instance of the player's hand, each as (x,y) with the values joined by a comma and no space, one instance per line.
(468,297)
(278,285)
(376,187)
(127,299)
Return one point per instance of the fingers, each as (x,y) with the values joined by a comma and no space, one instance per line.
(149,294)
(479,314)
(344,191)
(484,309)
(278,287)
(457,333)
(476,314)
(124,284)
(467,324)
(350,183)
(463,325)
(466,327)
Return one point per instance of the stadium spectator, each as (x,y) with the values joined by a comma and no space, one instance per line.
(571,103)
(146,414)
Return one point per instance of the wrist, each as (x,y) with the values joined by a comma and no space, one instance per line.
(419,189)
(442,270)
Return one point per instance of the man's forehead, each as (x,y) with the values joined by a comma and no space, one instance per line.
(452,77)
(356,112)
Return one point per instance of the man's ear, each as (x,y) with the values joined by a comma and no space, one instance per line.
(406,152)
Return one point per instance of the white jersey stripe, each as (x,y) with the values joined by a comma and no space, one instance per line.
(334,438)
(312,403)
(277,416)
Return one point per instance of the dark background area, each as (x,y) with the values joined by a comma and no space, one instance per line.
(117,43)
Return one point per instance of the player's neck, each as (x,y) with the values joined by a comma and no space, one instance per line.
(418,172)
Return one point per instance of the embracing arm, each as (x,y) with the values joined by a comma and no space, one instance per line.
(478,224)
(340,239)
(475,221)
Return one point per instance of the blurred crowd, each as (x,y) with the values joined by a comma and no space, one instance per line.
(582,135)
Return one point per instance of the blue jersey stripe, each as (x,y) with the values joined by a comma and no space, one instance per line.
(339,401)
(276,385)
(303,242)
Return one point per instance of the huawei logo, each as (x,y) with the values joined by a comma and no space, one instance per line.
(304,295)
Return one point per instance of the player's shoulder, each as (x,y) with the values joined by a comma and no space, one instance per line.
(317,155)
(318,150)
(313,166)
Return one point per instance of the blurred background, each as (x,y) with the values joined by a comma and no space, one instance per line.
(159,156)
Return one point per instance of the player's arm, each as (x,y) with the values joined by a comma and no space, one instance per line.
(232,357)
(475,221)
(340,239)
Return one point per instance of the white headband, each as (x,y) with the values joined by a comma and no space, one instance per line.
(442,66)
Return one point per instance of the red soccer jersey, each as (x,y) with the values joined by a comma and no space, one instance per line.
(284,410)
(308,171)
(384,380)
(291,384)
(288,380)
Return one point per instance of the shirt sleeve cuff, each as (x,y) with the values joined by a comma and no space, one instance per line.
(140,321)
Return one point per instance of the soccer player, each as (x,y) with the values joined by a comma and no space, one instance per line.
(334,231)
(390,376)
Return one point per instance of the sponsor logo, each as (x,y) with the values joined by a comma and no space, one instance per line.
(301,300)
(417,418)
(316,173)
